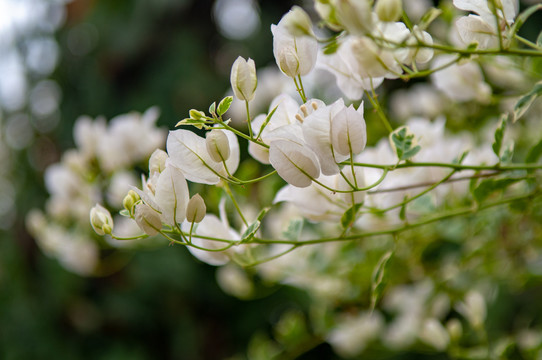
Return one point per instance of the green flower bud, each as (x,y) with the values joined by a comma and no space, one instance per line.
(130,199)
(196,209)
(389,10)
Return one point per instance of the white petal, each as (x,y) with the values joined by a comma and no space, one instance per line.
(172,195)
(317,134)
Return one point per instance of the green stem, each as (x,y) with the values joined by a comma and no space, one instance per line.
(249,121)
(379,111)
(230,194)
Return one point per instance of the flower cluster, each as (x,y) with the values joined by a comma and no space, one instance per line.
(99,170)
(340,193)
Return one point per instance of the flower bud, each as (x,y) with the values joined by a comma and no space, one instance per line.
(157,161)
(243,78)
(298,22)
(455,329)
(355,16)
(147,219)
(218,145)
(130,199)
(195,210)
(389,10)
(101,220)
(196,114)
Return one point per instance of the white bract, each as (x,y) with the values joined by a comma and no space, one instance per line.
(485,27)
(243,78)
(188,152)
(295,55)
(294,162)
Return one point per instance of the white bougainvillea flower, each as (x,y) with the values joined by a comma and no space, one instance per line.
(460,82)
(285,112)
(157,161)
(317,134)
(243,78)
(420,55)
(314,202)
(482,28)
(294,162)
(212,226)
(188,152)
(171,195)
(295,55)
(348,131)
(355,16)
(147,219)
(351,80)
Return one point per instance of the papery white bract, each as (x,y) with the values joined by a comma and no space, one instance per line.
(482,28)
(147,219)
(188,152)
(243,78)
(296,164)
(195,209)
(348,131)
(171,195)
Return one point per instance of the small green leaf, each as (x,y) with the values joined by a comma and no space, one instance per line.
(459,160)
(197,123)
(539,39)
(402,213)
(499,134)
(522,17)
(429,17)
(224,105)
(124,212)
(266,121)
(508,153)
(262,213)
(525,102)
(378,279)
(250,231)
(489,186)
(212,108)
(293,231)
(404,143)
(534,153)
(349,216)
(331,47)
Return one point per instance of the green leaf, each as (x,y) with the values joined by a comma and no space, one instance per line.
(293,231)
(404,143)
(489,186)
(539,39)
(402,213)
(499,134)
(266,121)
(349,215)
(124,212)
(197,123)
(525,102)
(522,17)
(459,160)
(378,279)
(212,108)
(508,153)
(224,105)
(534,153)
(262,213)
(429,17)
(331,47)
(250,231)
